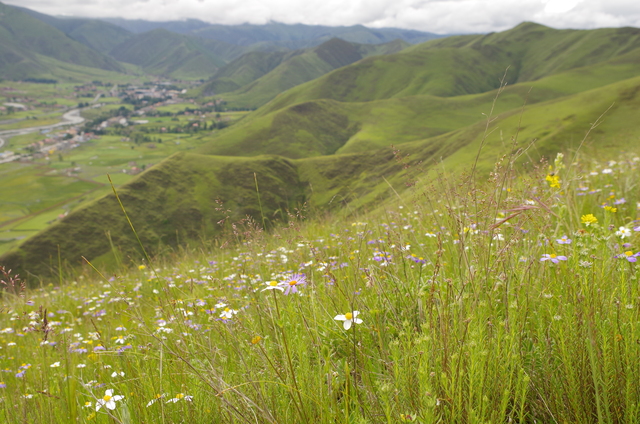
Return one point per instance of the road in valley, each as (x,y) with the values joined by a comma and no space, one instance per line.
(71,117)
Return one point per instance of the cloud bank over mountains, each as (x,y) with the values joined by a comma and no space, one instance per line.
(439,16)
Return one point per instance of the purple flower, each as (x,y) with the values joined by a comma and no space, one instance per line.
(293,282)
(563,240)
(553,258)
(629,256)
(417,259)
(123,348)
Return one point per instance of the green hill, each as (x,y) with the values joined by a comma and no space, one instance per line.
(469,64)
(243,70)
(333,137)
(162,52)
(96,34)
(255,78)
(22,36)
(302,129)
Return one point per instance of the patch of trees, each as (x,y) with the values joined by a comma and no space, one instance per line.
(144,101)
(41,80)
(91,125)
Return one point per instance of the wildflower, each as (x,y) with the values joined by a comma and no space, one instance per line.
(81,365)
(588,219)
(554,180)
(108,400)
(2,385)
(630,256)
(55,365)
(293,282)
(256,340)
(155,399)
(180,396)
(88,404)
(417,259)
(610,209)
(563,240)
(141,267)
(623,232)
(553,258)
(116,374)
(349,318)
(228,313)
(273,285)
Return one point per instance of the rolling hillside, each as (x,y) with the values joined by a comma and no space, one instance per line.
(333,137)
(255,78)
(23,37)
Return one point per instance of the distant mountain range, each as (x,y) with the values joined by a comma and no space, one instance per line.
(189,49)
(294,36)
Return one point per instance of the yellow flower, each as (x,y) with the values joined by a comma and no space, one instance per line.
(588,219)
(611,209)
(554,180)
(141,267)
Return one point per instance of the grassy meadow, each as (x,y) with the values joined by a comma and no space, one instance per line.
(513,299)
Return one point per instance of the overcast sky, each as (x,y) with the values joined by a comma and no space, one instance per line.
(440,16)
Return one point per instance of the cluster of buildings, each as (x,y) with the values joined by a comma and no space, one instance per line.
(63,140)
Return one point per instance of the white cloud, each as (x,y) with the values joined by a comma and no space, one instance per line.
(442,16)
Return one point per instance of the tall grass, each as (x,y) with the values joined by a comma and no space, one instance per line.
(474,305)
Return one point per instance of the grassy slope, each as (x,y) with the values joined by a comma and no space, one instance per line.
(24,33)
(174,200)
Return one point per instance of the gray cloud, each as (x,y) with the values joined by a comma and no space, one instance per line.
(441,16)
